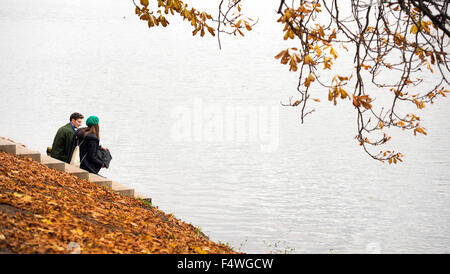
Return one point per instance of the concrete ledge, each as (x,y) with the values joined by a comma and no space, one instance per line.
(19,150)
(10,149)
(3,140)
(127,192)
(7,146)
(80,173)
(99,180)
(25,152)
(52,163)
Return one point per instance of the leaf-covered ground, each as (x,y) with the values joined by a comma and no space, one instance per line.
(43,210)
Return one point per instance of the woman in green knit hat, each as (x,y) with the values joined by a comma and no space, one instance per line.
(90,145)
(92,121)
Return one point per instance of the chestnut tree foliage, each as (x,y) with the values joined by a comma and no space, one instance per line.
(398,49)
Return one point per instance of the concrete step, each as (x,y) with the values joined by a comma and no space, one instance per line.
(125,191)
(53,163)
(25,152)
(7,146)
(19,150)
(10,147)
(80,173)
(99,180)
(4,140)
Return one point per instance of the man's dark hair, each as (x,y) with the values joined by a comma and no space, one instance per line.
(76,116)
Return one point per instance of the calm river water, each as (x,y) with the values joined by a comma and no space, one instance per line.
(173,111)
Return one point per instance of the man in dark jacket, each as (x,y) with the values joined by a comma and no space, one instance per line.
(62,143)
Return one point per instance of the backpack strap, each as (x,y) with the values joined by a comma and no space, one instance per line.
(79,144)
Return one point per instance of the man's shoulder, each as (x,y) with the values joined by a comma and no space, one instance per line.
(65,129)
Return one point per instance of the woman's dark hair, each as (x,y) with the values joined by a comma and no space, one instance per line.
(94,129)
(76,116)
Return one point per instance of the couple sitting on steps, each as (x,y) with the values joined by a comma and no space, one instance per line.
(92,156)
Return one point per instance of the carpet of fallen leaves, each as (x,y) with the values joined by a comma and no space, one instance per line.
(43,210)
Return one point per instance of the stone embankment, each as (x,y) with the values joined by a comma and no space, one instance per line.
(9,146)
(47,206)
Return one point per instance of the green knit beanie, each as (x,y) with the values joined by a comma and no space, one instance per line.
(92,120)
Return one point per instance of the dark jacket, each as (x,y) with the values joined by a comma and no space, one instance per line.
(88,153)
(76,141)
(62,143)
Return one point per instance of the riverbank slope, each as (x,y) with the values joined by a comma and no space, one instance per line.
(44,210)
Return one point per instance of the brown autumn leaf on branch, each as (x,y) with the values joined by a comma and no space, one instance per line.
(398,46)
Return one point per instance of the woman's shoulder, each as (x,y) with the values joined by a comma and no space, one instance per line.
(88,138)
(91,137)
